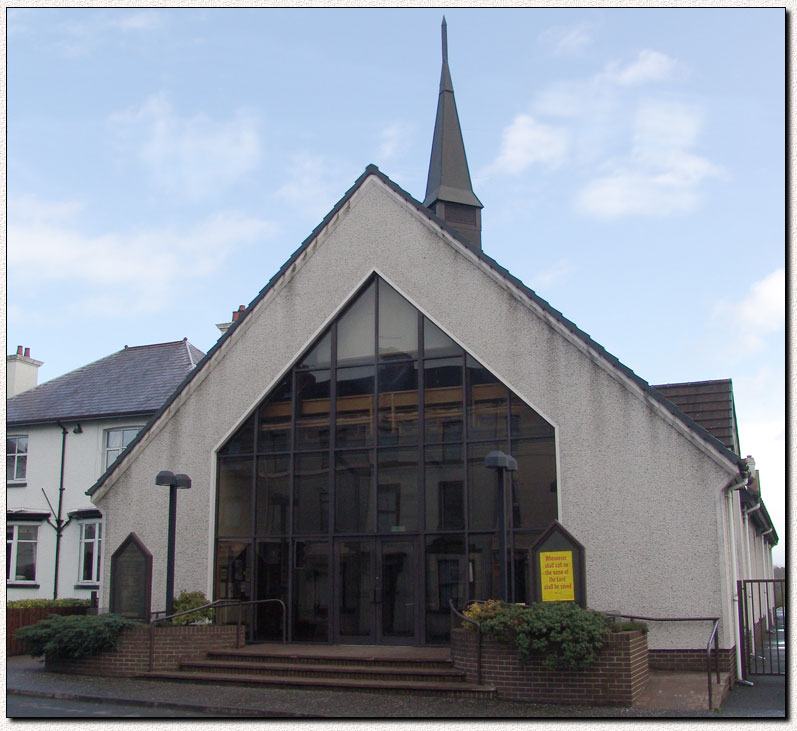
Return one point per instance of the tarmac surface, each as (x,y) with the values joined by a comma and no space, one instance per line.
(25,676)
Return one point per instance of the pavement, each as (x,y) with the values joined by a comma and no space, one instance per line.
(26,676)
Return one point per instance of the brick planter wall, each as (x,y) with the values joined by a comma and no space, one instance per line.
(616,679)
(16,618)
(691,660)
(170,646)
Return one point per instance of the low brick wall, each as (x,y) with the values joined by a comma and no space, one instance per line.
(17,618)
(616,679)
(171,645)
(691,660)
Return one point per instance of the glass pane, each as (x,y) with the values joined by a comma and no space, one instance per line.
(273,495)
(235,497)
(483,567)
(26,562)
(484,501)
(128,435)
(445,481)
(11,445)
(22,464)
(233,569)
(355,597)
(22,445)
(487,418)
(355,406)
(27,532)
(442,395)
(9,533)
(115,438)
(110,456)
(398,324)
(398,589)
(274,419)
(356,329)
(525,421)
(353,489)
(243,441)
(311,592)
(10,468)
(88,531)
(398,403)
(88,562)
(445,579)
(271,583)
(436,343)
(311,493)
(397,490)
(321,354)
(535,504)
(312,409)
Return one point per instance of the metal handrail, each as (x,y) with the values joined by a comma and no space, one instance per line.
(454,612)
(219,603)
(713,638)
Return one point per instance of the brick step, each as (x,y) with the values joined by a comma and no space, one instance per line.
(325,670)
(439,688)
(320,658)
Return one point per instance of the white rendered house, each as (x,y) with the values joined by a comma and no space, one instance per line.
(60,437)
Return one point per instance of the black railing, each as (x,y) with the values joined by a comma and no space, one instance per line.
(219,604)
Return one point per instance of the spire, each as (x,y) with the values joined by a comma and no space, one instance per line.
(449,192)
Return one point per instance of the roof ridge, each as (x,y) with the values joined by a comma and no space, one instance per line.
(154,345)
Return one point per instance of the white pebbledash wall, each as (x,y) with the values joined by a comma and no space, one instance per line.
(641,496)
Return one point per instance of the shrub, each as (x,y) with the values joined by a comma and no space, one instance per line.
(35,603)
(73,636)
(189,600)
(632,626)
(561,634)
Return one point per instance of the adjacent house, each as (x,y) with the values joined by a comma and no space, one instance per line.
(336,437)
(60,437)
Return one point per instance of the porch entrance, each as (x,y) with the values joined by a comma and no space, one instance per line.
(376,591)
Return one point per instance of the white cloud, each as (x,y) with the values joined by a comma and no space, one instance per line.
(526,142)
(648,66)
(394,140)
(314,184)
(191,156)
(140,271)
(661,175)
(566,40)
(555,275)
(760,313)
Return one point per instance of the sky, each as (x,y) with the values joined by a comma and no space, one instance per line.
(162,164)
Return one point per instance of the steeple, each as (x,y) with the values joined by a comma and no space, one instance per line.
(449,192)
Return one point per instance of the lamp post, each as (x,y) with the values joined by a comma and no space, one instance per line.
(175,483)
(503,463)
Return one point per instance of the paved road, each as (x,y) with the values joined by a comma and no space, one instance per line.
(19,706)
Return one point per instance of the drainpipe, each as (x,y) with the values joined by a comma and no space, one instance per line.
(746,513)
(729,489)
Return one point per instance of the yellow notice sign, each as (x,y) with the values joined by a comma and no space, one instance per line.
(556,574)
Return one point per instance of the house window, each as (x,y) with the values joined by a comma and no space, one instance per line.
(21,553)
(90,540)
(16,458)
(115,442)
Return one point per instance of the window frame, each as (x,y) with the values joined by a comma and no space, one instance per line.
(97,553)
(12,553)
(18,481)
(106,448)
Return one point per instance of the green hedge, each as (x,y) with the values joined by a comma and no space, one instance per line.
(562,635)
(73,636)
(37,603)
(190,600)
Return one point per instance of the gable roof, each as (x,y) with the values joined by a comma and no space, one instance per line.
(373,170)
(710,404)
(132,381)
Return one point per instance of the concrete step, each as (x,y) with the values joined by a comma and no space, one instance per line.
(321,657)
(439,688)
(324,670)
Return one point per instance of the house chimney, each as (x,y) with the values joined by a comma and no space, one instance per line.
(22,372)
(224,326)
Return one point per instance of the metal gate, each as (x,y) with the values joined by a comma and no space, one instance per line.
(762,625)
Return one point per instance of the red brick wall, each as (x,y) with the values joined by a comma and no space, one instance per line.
(16,618)
(616,679)
(170,646)
(691,660)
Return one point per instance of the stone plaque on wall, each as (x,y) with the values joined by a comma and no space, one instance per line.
(131,579)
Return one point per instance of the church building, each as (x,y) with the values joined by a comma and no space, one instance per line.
(336,437)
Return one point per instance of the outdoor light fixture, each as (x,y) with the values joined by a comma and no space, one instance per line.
(176,482)
(503,463)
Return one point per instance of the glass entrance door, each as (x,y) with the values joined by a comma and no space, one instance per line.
(376,591)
